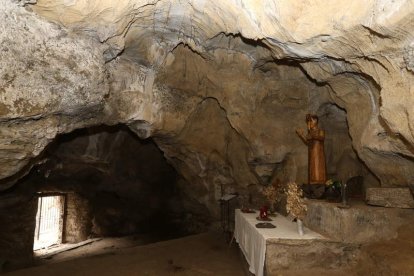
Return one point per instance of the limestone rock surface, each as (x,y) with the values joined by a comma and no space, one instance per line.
(50,82)
(390,197)
(220,85)
(360,224)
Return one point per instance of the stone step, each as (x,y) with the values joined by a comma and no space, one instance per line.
(291,255)
(359,224)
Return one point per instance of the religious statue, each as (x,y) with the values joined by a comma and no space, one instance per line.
(316,155)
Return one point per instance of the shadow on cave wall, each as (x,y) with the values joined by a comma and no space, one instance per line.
(342,160)
(127,182)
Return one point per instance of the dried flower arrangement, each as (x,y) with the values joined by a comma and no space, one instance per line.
(274,192)
(295,203)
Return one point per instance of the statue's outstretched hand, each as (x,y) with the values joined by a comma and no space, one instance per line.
(301,135)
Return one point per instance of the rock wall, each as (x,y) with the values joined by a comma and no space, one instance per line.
(50,81)
(18,222)
(123,184)
(78,219)
(220,85)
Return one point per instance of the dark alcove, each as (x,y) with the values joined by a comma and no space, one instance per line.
(113,184)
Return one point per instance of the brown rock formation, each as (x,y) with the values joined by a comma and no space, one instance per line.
(219,85)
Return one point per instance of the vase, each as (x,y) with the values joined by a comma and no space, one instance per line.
(300,226)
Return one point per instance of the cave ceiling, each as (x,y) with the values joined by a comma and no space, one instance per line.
(220,85)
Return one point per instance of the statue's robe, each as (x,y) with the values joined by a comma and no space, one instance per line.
(317,166)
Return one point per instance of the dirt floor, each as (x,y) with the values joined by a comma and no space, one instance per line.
(91,247)
(208,254)
(204,254)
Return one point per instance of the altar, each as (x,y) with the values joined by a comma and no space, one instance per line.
(253,241)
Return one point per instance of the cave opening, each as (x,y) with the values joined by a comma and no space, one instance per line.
(104,182)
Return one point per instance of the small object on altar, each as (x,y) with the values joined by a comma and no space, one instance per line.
(248,210)
(344,204)
(299,223)
(264,219)
(263,212)
(265,225)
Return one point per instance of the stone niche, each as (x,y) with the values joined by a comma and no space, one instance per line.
(241,132)
(114,185)
(342,161)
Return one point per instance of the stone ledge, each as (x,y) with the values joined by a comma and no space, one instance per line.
(359,224)
(292,255)
(390,197)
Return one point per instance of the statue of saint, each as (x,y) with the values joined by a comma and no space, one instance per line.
(316,155)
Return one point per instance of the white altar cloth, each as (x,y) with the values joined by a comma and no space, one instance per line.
(252,240)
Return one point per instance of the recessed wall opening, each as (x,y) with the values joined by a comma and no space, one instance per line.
(103,187)
(49,221)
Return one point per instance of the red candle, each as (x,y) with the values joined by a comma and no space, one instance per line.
(263,212)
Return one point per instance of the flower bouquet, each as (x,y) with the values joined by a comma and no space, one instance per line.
(295,205)
(273,194)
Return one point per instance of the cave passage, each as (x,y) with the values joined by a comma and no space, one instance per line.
(101,182)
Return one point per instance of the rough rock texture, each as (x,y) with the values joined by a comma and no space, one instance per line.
(390,197)
(358,224)
(290,255)
(220,85)
(50,82)
(17,232)
(77,221)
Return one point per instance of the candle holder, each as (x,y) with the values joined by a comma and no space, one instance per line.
(344,200)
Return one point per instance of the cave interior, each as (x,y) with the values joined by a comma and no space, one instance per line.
(133,122)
